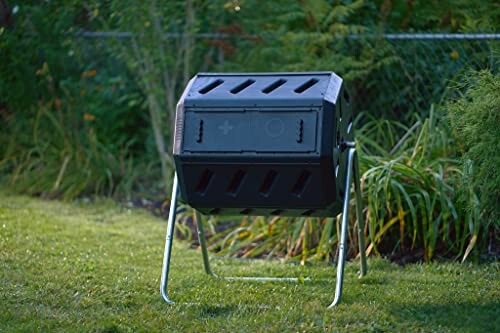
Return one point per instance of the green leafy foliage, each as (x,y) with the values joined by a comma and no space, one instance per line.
(410,191)
(66,128)
(28,46)
(444,15)
(55,161)
(307,36)
(297,239)
(475,117)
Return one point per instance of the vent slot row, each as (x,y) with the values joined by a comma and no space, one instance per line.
(267,90)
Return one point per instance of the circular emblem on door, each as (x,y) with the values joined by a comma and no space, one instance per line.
(274,127)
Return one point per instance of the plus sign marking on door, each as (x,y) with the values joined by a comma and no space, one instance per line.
(226,127)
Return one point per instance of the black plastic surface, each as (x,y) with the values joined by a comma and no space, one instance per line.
(263,143)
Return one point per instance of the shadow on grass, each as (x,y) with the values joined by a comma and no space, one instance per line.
(458,317)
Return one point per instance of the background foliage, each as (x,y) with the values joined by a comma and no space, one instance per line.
(475,116)
(92,116)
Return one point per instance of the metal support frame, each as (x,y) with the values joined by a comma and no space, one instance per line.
(352,167)
(168,241)
(352,164)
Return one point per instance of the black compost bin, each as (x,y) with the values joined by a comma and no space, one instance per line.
(263,143)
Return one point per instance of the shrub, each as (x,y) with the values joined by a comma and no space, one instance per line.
(475,118)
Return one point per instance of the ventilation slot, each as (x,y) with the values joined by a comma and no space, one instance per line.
(204,181)
(210,86)
(276,212)
(267,184)
(308,212)
(246,211)
(242,86)
(305,86)
(301,183)
(235,183)
(273,86)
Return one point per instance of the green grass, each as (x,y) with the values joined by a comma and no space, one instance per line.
(96,268)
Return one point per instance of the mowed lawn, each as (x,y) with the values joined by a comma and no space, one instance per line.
(96,267)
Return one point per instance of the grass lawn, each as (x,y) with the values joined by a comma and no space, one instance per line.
(96,267)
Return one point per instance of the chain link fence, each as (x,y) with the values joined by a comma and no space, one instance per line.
(420,68)
(416,72)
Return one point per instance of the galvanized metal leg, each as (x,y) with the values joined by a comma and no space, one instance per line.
(361,220)
(168,241)
(352,165)
(203,245)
